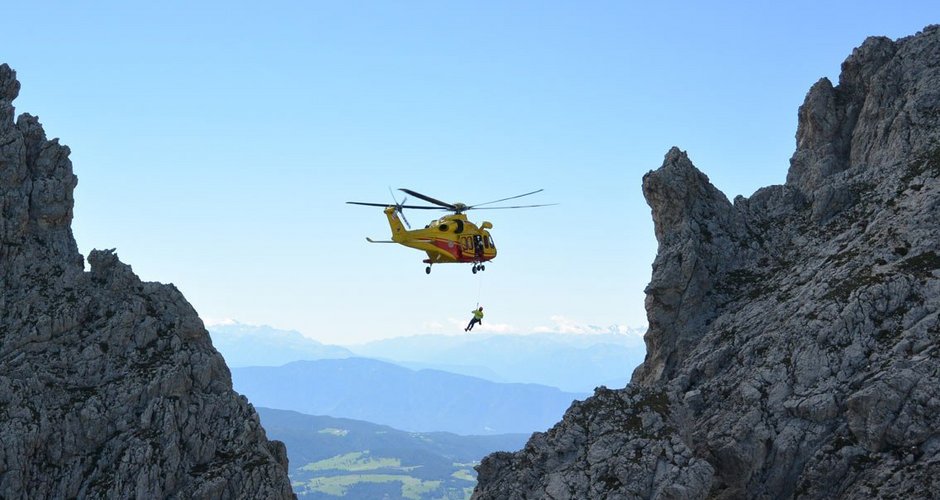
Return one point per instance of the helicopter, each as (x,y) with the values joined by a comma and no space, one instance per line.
(452,238)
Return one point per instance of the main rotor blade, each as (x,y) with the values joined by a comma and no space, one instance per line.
(429,199)
(388,205)
(504,199)
(517,206)
(368,204)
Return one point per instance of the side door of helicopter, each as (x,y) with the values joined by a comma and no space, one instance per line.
(478,246)
(468,247)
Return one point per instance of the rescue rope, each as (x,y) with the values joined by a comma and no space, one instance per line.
(479,288)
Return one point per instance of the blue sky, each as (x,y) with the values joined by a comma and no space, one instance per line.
(216,142)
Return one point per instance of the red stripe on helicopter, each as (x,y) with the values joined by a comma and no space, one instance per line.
(449,247)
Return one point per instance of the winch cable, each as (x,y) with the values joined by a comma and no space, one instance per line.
(479,288)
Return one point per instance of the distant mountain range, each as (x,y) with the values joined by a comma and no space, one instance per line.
(251,345)
(417,401)
(571,362)
(337,457)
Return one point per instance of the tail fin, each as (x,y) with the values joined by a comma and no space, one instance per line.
(398,229)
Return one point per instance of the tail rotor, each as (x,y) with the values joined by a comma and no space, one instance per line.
(399,207)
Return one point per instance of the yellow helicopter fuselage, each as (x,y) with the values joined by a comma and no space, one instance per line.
(451,238)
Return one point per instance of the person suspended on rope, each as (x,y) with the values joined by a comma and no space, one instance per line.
(477,318)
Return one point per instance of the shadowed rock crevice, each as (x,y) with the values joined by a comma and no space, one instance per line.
(110,386)
(794,335)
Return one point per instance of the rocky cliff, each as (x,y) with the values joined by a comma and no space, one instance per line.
(794,340)
(109,386)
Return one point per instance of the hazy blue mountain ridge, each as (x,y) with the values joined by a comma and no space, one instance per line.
(418,401)
(468,370)
(252,345)
(571,362)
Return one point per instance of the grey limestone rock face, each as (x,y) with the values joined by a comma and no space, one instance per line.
(109,386)
(615,445)
(794,339)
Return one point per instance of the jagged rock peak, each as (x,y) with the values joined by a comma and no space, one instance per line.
(110,386)
(9,85)
(695,227)
(882,112)
(679,193)
(36,186)
(794,339)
